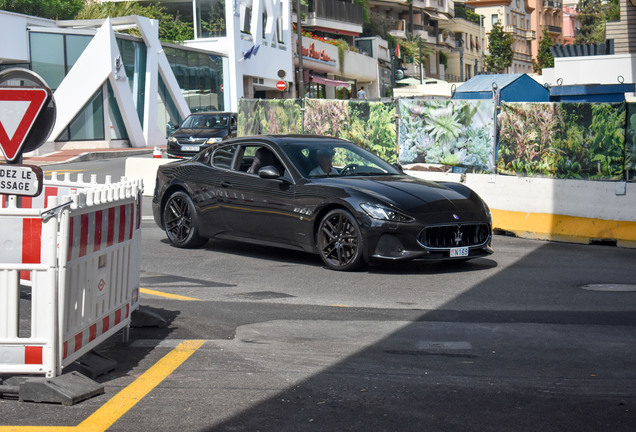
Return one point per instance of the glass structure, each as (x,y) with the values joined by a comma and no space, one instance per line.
(200,77)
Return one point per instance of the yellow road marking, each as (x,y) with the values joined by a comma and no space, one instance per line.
(339,305)
(167,295)
(63,171)
(122,402)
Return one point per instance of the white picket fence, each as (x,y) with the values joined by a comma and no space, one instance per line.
(76,252)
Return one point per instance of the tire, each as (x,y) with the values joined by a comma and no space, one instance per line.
(180,221)
(340,241)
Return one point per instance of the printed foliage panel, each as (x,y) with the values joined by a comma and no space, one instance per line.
(454,132)
(272,116)
(371,125)
(563,140)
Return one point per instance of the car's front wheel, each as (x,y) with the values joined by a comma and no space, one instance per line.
(340,241)
(181,222)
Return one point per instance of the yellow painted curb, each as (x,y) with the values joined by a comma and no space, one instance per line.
(545,226)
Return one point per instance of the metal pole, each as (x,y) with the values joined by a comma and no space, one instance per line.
(481,40)
(421,72)
(301,73)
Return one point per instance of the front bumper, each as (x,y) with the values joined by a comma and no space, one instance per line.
(388,241)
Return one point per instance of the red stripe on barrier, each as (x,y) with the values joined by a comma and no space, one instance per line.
(4,201)
(132,225)
(111,226)
(31,240)
(98,230)
(105,324)
(65,354)
(27,202)
(49,191)
(70,239)
(122,223)
(83,234)
(33,355)
(92,333)
(25,275)
(117,316)
(78,342)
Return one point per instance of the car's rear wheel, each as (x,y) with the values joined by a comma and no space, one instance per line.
(181,222)
(340,241)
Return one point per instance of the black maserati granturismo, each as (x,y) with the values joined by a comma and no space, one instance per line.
(318,194)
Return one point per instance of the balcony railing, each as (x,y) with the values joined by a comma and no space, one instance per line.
(336,10)
(531,35)
(551,4)
(554,29)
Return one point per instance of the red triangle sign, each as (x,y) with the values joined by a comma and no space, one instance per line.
(19,108)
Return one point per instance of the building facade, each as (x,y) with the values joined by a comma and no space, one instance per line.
(547,15)
(515,18)
(466,33)
(112,89)
(419,19)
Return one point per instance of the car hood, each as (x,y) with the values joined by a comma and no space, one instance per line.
(199,133)
(414,196)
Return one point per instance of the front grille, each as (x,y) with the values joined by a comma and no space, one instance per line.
(456,235)
(194,141)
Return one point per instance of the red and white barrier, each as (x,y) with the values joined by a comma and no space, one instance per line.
(81,264)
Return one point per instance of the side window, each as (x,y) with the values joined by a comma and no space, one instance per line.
(256,156)
(233,122)
(223,156)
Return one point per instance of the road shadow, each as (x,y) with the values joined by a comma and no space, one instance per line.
(525,350)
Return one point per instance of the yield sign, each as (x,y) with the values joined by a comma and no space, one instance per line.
(19,108)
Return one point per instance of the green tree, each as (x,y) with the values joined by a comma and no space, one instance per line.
(499,56)
(592,23)
(171,28)
(545,59)
(53,9)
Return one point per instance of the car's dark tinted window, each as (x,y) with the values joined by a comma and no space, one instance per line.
(223,156)
(205,121)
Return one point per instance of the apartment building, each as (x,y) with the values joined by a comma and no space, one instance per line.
(465,59)
(547,15)
(515,18)
(420,18)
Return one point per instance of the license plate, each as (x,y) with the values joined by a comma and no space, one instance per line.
(459,252)
(189,148)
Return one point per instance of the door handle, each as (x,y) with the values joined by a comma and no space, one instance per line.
(226,184)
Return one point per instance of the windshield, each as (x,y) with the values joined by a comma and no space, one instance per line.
(205,121)
(336,159)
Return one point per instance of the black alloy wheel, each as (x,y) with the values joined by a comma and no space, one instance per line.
(340,241)
(180,221)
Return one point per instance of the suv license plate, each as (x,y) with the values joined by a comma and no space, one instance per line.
(459,252)
(189,148)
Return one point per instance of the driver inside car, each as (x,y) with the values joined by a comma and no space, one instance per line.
(325,161)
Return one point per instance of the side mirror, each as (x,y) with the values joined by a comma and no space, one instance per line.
(398,167)
(269,172)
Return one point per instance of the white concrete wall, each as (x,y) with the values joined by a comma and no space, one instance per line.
(592,70)
(581,198)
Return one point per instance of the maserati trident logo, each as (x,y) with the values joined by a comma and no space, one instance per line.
(458,236)
(191,139)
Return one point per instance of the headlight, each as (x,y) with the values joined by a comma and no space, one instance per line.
(172,140)
(214,140)
(380,212)
(487,210)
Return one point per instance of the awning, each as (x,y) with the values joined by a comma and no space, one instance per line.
(435,15)
(329,82)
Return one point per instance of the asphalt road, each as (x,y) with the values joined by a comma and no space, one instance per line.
(514,342)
